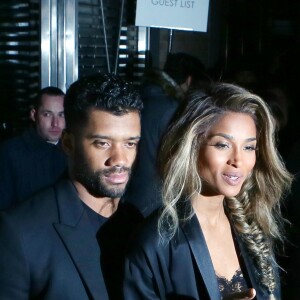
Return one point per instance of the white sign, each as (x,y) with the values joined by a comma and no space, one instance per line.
(174,14)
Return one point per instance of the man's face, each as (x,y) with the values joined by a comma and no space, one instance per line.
(104,151)
(49,118)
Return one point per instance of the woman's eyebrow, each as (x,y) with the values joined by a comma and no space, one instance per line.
(230,137)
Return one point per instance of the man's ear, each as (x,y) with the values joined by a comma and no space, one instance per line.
(67,142)
(32,115)
(186,85)
(189,81)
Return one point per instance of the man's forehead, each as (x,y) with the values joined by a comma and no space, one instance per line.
(108,124)
(50,102)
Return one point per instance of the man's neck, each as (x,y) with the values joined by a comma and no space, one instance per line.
(104,206)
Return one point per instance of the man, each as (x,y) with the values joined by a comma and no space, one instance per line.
(162,92)
(48,114)
(49,244)
(35,159)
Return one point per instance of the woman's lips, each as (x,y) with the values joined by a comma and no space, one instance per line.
(232,178)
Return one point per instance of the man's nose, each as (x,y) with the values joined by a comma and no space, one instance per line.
(117,157)
(54,121)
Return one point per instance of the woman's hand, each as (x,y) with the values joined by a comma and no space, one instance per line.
(245,295)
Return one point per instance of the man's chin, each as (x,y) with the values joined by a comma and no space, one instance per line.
(96,183)
(107,192)
(116,192)
(54,136)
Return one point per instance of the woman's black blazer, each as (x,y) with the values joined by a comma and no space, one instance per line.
(181,269)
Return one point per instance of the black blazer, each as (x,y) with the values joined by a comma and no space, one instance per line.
(28,164)
(182,269)
(49,250)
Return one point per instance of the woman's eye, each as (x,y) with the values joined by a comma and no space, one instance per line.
(250,148)
(221,145)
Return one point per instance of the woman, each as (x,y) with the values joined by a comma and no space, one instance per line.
(223,182)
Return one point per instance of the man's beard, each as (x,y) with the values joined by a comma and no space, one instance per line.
(94,181)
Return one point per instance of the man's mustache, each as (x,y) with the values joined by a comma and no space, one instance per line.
(116,170)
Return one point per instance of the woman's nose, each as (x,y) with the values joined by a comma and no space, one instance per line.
(235,159)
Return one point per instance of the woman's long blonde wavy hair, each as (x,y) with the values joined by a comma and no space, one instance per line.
(255,211)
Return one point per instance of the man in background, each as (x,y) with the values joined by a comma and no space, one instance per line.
(35,159)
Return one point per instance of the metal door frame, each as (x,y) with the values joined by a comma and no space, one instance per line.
(59,40)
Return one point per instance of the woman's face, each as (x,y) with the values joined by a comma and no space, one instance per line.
(227,156)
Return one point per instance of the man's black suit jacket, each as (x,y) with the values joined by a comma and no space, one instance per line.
(28,164)
(49,250)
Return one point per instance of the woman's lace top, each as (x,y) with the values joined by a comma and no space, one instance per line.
(236,284)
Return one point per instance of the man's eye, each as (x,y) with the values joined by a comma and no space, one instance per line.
(61,115)
(101,144)
(131,144)
(46,114)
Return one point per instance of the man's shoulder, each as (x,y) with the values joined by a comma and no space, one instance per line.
(19,142)
(12,142)
(28,146)
(43,204)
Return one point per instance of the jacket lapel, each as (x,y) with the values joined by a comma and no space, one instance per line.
(196,240)
(79,238)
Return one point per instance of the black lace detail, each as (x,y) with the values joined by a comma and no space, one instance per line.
(236,284)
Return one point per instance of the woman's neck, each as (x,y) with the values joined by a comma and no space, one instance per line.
(209,209)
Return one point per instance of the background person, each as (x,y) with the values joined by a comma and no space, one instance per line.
(35,159)
(162,92)
(50,243)
(291,260)
(223,182)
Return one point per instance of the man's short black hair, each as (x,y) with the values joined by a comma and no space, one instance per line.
(50,91)
(106,92)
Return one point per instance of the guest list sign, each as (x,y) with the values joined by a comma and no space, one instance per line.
(174,14)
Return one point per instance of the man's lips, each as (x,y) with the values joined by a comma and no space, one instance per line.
(55,131)
(117,178)
(232,178)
